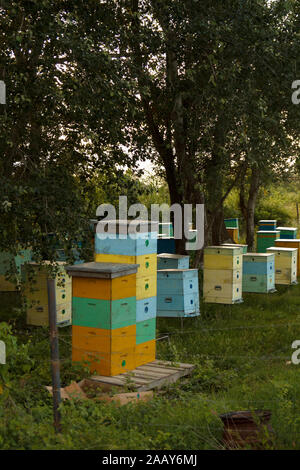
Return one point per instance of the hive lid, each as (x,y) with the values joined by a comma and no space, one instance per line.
(102,270)
(126,226)
(267,231)
(281,248)
(260,221)
(171,256)
(234,245)
(289,240)
(255,255)
(286,228)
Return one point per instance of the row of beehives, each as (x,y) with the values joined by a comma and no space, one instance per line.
(229,270)
(266,235)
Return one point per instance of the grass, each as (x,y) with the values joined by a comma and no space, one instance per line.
(243,361)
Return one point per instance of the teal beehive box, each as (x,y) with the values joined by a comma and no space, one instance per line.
(171,261)
(266,239)
(177,293)
(287,233)
(259,272)
(166,229)
(267,225)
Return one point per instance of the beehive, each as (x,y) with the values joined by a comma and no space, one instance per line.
(222,277)
(171,261)
(285,265)
(166,245)
(232,222)
(244,248)
(177,293)
(9,261)
(233,233)
(259,272)
(291,244)
(267,225)
(104,316)
(266,239)
(287,233)
(135,248)
(36,294)
(232,227)
(166,229)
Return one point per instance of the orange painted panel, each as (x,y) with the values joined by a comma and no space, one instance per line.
(105,341)
(105,289)
(145,352)
(106,364)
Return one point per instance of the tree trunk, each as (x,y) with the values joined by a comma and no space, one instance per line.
(253,192)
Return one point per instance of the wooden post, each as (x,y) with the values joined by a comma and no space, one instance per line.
(54,351)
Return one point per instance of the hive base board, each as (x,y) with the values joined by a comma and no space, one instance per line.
(221,300)
(155,374)
(270,291)
(176,314)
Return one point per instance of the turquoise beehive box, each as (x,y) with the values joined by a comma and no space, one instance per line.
(287,233)
(177,293)
(171,261)
(259,272)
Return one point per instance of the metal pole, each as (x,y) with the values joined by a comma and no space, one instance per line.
(55,366)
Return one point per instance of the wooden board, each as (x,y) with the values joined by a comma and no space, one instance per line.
(155,374)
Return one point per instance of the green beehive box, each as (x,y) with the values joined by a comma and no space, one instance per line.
(287,232)
(266,239)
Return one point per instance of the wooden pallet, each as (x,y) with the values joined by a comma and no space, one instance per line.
(146,377)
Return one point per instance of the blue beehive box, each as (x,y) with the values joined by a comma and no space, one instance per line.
(146,309)
(268,225)
(166,245)
(177,293)
(259,272)
(171,261)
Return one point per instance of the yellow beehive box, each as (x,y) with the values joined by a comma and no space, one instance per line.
(223,257)
(38,315)
(222,286)
(285,264)
(35,293)
(145,353)
(147,263)
(290,243)
(146,287)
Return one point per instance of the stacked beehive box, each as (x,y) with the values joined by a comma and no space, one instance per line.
(285,265)
(135,248)
(267,225)
(104,316)
(165,229)
(36,294)
(177,287)
(232,227)
(259,272)
(291,244)
(8,261)
(244,248)
(223,273)
(287,233)
(266,239)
